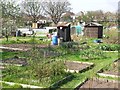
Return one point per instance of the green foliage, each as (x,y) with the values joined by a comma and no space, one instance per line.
(7,54)
(11,70)
(4,85)
(44,67)
(16,86)
(24,40)
(69,47)
(108,47)
(92,54)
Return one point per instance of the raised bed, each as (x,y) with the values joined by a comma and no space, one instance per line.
(110,51)
(54,85)
(111,71)
(23,46)
(12,49)
(23,85)
(62,81)
(98,83)
(75,66)
(15,61)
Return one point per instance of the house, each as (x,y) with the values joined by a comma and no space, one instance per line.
(93,30)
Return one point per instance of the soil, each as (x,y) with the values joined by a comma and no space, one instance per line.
(15,60)
(76,66)
(99,83)
(114,69)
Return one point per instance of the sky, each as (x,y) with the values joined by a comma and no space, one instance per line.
(92,5)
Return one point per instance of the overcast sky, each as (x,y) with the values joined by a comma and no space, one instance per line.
(87,5)
(92,5)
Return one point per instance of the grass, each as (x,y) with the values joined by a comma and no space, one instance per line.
(22,75)
(5,55)
(78,77)
(19,40)
(92,72)
(110,78)
(6,86)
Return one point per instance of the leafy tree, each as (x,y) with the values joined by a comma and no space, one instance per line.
(106,18)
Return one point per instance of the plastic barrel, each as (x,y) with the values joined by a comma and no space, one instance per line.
(54,40)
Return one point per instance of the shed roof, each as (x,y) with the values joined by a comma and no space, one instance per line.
(64,24)
(93,24)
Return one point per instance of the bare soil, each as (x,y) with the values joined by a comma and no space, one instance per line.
(15,60)
(76,66)
(99,83)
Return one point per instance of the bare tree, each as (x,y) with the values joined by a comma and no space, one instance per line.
(33,9)
(55,9)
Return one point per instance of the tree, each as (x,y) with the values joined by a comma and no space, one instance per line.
(67,17)
(10,11)
(32,9)
(55,9)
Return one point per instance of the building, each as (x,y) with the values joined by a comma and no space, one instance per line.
(93,30)
(64,31)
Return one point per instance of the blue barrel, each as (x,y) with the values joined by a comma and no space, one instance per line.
(54,40)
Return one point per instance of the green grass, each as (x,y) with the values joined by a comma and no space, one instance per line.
(6,86)
(22,75)
(99,64)
(110,78)
(5,55)
(19,40)
(78,77)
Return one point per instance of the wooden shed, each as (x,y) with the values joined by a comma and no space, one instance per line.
(64,31)
(93,30)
